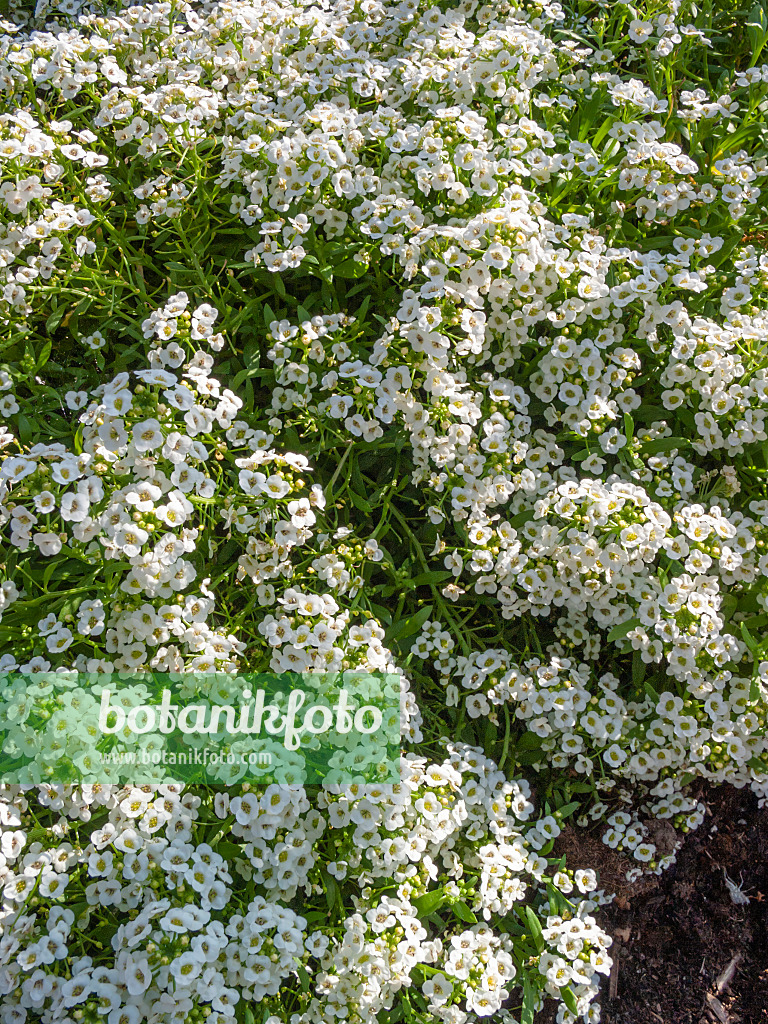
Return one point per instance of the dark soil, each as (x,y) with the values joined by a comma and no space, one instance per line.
(684,952)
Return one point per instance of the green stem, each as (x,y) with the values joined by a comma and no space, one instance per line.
(507,734)
(438,597)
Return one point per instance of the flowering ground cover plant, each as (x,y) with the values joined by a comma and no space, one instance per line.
(427,339)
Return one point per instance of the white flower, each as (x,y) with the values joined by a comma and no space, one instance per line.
(49,544)
(185,969)
(614,756)
(59,640)
(612,441)
(76,399)
(74,507)
(147,435)
(640,31)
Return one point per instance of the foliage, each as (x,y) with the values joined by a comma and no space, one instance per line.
(424,338)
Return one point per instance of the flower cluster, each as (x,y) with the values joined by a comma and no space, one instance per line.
(368,336)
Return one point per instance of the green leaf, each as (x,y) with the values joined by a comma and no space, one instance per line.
(521,518)
(359,503)
(408,1009)
(27,428)
(360,313)
(279,286)
(629,428)
(586,111)
(101,935)
(55,318)
(651,693)
(304,978)
(42,359)
(602,131)
(581,787)
(332,892)
(429,902)
(757,31)
(639,668)
(568,809)
(620,631)
(382,613)
(245,374)
(728,605)
(528,1009)
(351,269)
(229,850)
(529,741)
(569,999)
(462,911)
(651,413)
(535,926)
(490,736)
(723,255)
(748,639)
(80,908)
(60,570)
(406,627)
(630,459)
(528,756)
(663,444)
(437,576)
